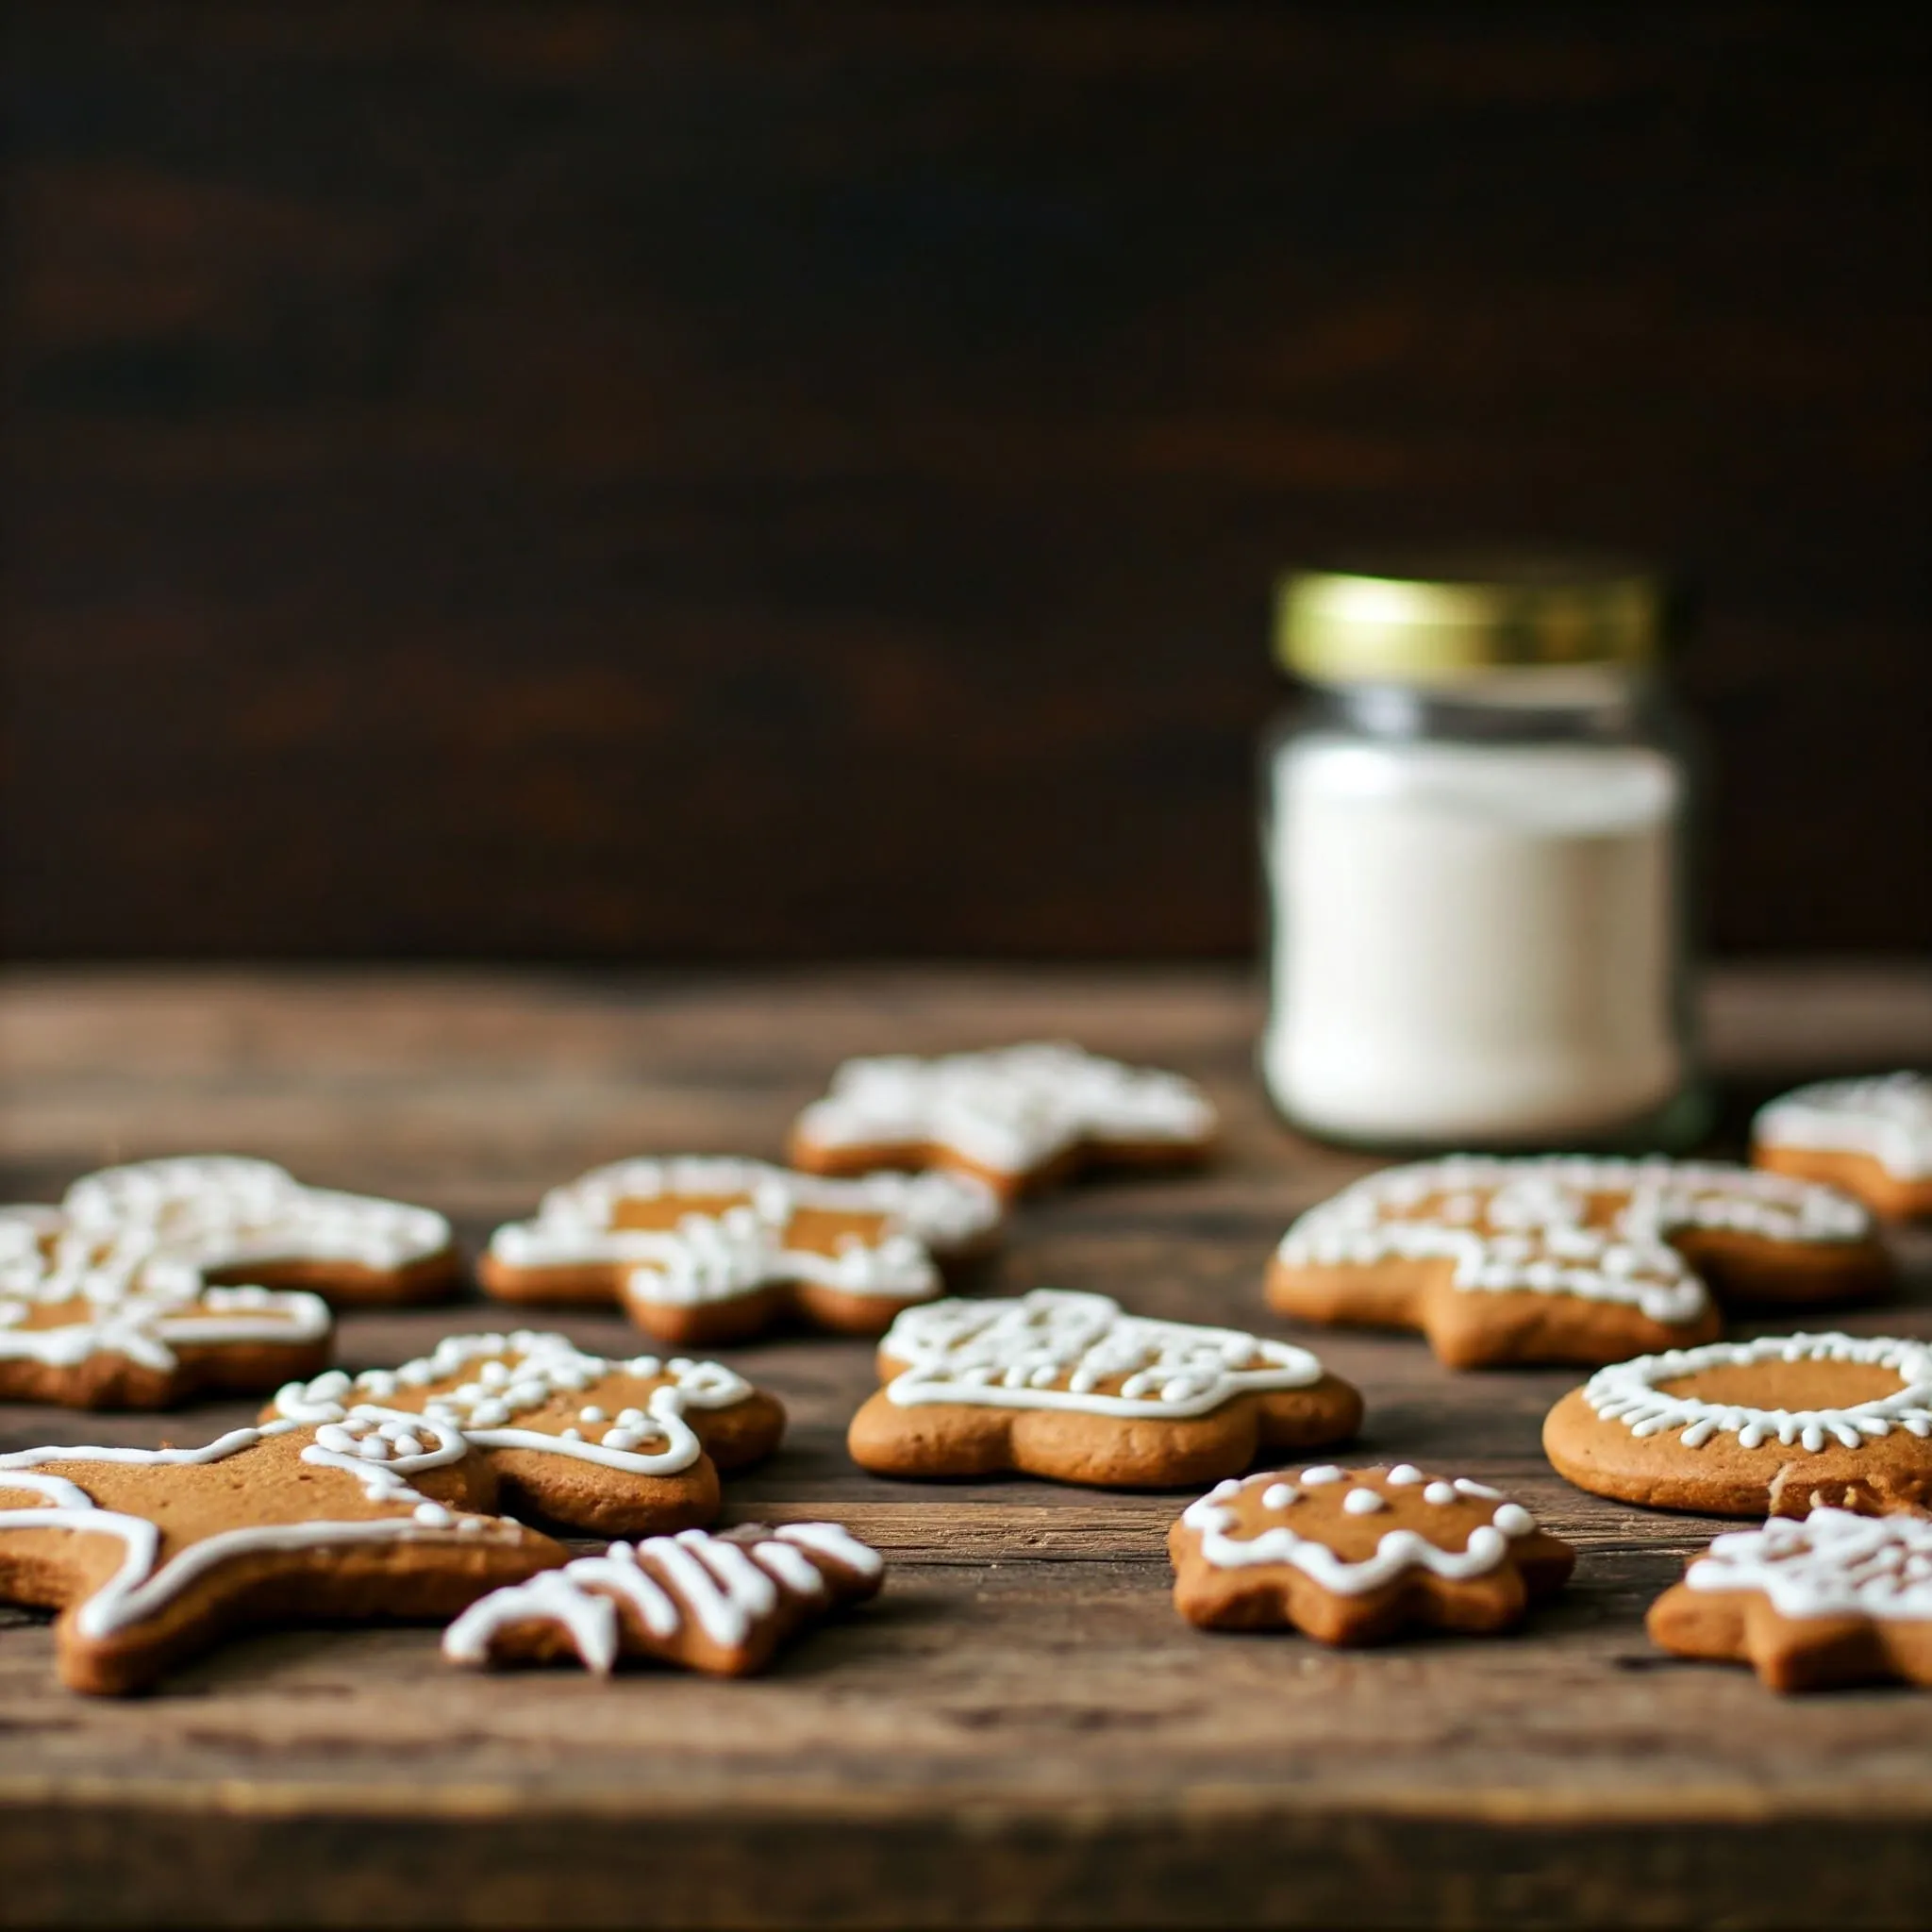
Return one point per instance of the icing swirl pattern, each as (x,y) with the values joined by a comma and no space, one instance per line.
(1888,1119)
(1831,1563)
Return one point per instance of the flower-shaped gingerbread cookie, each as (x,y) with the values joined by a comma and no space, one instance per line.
(1562,1258)
(1353,1556)
(706,1250)
(1071,1387)
(154,1555)
(1871,1136)
(152,1282)
(1774,1427)
(1018,1116)
(722,1605)
(1831,1598)
(616,1448)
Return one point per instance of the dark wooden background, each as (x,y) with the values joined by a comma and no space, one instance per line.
(703,481)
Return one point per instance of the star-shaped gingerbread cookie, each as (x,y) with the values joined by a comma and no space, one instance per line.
(158,1281)
(702,1250)
(1019,1117)
(1072,1388)
(152,1555)
(1832,1598)
(1873,1138)
(1776,1427)
(1568,1258)
(722,1605)
(610,1448)
(1353,1556)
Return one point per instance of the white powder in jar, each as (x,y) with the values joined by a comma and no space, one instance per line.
(1473,942)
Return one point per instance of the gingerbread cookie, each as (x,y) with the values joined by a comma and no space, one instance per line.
(1562,1258)
(154,1555)
(1834,1598)
(1774,1428)
(703,1251)
(1017,1117)
(1873,1138)
(1071,1387)
(722,1605)
(1353,1556)
(612,1448)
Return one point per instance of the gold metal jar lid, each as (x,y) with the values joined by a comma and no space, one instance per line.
(1443,622)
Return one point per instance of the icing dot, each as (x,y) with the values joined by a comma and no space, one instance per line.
(432,1516)
(1405,1473)
(620,1438)
(1512,1519)
(1322,1473)
(1363,1502)
(1278,1496)
(1440,1494)
(590,1415)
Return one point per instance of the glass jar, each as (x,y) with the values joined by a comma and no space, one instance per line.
(1474,833)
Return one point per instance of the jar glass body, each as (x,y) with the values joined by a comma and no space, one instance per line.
(1480,897)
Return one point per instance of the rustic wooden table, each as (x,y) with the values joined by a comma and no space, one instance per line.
(1021,1733)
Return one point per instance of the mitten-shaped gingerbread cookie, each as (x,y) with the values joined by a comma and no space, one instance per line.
(1355,1555)
(1774,1427)
(1072,1388)
(1019,1117)
(703,1250)
(1562,1258)
(1873,1138)
(1833,1598)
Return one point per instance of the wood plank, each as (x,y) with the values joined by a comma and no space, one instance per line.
(1021,1732)
(663,497)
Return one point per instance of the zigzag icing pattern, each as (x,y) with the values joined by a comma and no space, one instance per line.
(1830,1563)
(484,1408)
(1398,1551)
(381,1449)
(1628,1392)
(1052,1349)
(1008,1110)
(710,1257)
(1521,1225)
(1887,1118)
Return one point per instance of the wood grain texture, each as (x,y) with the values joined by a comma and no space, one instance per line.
(655,482)
(1022,1732)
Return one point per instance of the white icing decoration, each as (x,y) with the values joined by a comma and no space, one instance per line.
(722,1584)
(1213,1517)
(1629,1393)
(140,1586)
(1008,1110)
(1363,1502)
(1830,1563)
(1440,1494)
(1010,1354)
(709,1258)
(1280,1496)
(1404,1473)
(545,1366)
(1323,1473)
(1519,1226)
(1887,1119)
(137,1244)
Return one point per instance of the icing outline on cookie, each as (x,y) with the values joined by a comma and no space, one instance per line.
(1627,1393)
(1517,1224)
(1398,1552)
(1831,1563)
(548,1366)
(1887,1118)
(712,1258)
(384,1450)
(1008,1110)
(1007,1353)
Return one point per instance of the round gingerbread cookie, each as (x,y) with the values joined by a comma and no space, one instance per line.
(1773,1428)
(1873,1138)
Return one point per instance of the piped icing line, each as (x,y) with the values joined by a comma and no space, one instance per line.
(1399,1551)
(1831,1563)
(1887,1118)
(148,1329)
(726,1586)
(1016,1354)
(710,1257)
(389,1450)
(1628,1392)
(1008,1110)
(1521,1225)
(484,1408)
